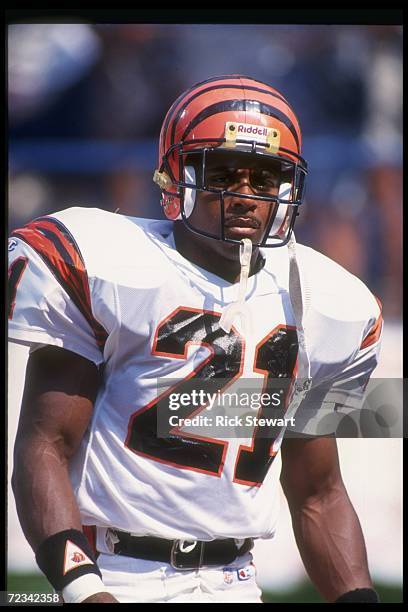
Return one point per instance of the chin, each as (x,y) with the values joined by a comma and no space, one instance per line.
(225,249)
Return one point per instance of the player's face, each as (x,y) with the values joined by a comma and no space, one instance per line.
(243,217)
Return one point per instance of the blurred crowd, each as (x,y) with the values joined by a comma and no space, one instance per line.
(86,103)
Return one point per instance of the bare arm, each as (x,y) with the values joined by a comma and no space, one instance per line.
(325,524)
(59,393)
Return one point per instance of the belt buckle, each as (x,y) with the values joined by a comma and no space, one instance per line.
(184,552)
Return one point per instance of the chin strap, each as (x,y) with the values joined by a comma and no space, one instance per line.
(300,304)
(240,308)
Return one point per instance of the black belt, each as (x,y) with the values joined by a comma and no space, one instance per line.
(181,554)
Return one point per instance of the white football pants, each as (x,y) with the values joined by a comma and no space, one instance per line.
(139,581)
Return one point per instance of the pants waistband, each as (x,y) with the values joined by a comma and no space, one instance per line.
(181,554)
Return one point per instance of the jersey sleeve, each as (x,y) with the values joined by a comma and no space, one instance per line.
(329,406)
(49,300)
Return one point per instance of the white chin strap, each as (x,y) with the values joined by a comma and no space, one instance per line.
(240,307)
(299,294)
(300,297)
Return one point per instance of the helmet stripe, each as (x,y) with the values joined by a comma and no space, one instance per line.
(242,105)
(206,90)
(185,93)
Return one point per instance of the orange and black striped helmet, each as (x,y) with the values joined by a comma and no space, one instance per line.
(233,113)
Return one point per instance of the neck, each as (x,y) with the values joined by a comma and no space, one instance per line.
(215,256)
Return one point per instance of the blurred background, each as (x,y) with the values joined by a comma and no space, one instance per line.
(86,103)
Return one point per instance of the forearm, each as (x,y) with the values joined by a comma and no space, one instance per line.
(44,498)
(57,407)
(331,543)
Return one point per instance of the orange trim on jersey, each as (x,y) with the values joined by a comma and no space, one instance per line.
(375,332)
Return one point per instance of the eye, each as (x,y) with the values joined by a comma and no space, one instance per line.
(265,179)
(221,176)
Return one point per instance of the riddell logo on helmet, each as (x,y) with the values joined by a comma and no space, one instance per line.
(235,133)
(252,129)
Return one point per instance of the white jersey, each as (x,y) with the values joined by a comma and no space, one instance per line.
(115,290)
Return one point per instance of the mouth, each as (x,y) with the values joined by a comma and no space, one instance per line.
(242,226)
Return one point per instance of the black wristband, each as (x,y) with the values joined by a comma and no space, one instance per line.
(65,556)
(359,596)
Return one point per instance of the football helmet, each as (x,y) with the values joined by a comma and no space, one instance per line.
(227,115)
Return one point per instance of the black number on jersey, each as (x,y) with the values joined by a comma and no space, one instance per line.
(15,273)
(184,327)
(275,358)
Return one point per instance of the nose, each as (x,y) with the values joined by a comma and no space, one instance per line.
(242,186)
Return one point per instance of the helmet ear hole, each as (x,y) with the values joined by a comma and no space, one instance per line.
(189,194)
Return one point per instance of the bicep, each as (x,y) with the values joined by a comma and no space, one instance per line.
(310,467)
(59,393)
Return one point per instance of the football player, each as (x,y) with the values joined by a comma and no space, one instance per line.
(124,314)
